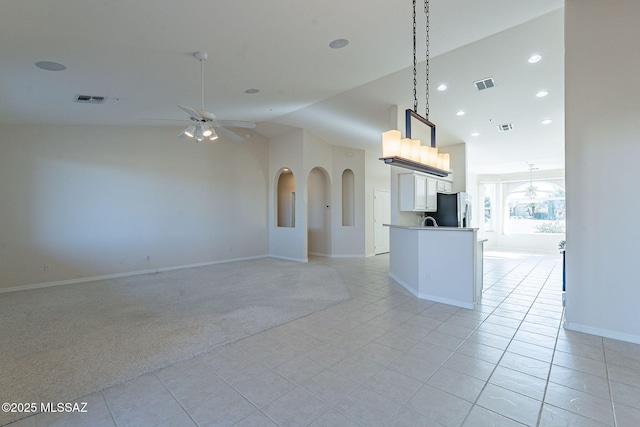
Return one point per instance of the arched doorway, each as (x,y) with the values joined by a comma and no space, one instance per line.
(318,213)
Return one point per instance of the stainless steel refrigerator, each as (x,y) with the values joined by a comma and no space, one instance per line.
(454,210)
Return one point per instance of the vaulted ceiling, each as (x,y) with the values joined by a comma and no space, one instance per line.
(138,55)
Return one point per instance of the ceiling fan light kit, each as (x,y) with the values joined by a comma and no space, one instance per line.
(203,123)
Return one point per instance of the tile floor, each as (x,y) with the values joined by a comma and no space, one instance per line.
(387,358)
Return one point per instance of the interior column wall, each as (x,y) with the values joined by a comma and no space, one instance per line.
(602,88)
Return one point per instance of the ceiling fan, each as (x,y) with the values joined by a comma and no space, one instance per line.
(205,124)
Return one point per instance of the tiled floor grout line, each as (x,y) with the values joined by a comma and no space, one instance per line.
(606,366)
(553,355)
(475,402)
(184,408)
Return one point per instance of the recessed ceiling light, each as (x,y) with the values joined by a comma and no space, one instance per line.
(460,113)
(546,121)
(475,134)
(50,66)
(535,58)
(542,94)
(251,91)
(442,87)
(338,43)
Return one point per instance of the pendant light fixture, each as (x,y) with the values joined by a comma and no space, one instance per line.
(531,190)
(412,153)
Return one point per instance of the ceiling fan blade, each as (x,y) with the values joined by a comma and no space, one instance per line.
(228,133)
(191,112)
(236,124)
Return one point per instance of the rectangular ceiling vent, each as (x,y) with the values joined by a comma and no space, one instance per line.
(90,99)
(505,128)
(483,84)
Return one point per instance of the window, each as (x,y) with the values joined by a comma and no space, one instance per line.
(536,207)
(489,192)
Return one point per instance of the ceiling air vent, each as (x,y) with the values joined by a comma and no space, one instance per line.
(505,128)
(90,99)
(483,84)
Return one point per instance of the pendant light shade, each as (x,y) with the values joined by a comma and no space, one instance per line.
(391,143)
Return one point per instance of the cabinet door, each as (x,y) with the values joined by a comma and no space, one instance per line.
(421,192)
(431,204)
(413,192)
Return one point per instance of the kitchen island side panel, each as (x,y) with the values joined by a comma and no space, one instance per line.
(404,258)
(447,267)
(435,264)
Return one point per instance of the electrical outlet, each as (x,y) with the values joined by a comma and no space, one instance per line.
(47,267)
(122,260)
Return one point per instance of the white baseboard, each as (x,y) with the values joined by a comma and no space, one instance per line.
(602,332)
(288,258)
(347,256)
(433,298)
(126,274)
(320,254)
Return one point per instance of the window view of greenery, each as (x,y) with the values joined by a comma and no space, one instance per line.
(537,207)
(489,197)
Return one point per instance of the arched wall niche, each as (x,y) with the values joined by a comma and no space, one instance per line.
(348,199)
(285,199)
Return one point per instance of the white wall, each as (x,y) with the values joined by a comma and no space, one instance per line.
(287,242)
(458,155)
(93,201)
(349,240)
(602,88)
(301,152)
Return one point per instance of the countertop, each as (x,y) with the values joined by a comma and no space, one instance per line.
(419,227)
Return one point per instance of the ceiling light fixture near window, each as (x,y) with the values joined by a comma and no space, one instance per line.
(252,91)
(460,113)
(442,87)
(534,58)
(546,121)
(542,94)
(50,66)
(475,134)
(338,43)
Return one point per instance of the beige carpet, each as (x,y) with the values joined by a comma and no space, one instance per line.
(64,342)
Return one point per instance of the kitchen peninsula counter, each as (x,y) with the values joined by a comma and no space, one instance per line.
(442,264)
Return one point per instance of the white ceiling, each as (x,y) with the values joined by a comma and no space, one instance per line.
(139,55)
